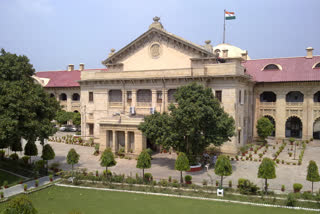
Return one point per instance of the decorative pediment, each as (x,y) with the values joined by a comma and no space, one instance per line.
(153,38)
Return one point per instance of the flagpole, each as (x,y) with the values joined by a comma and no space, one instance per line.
(224,25)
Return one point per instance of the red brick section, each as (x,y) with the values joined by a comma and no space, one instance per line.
(63,78)
(293,69)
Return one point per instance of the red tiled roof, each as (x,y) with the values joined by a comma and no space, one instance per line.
(293,69)
(62,78)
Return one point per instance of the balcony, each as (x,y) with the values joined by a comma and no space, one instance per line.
(75,104)
(144,104)
(295,104)
(267,104)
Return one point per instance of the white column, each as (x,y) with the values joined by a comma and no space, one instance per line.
(126,141)
(114,149)
(134,97)
(154,98)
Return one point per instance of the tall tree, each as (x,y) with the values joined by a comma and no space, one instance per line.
(30,149)
(107,159)
(47,153)
(26,110)
(223,167)
(72,157)
(264,128)
(144,161)
(313,173)
(197,121)
(267,170)
(182,164)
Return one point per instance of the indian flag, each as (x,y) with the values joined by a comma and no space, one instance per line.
(229,15)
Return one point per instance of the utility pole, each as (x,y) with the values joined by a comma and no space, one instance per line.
(224,26)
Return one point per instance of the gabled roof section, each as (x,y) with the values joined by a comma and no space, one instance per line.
(113,58)
(294,69)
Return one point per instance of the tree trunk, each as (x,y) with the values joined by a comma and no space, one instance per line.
(312,186)
(106,170)
(72,167)
(143,173)
(181,180)
(266,186)
(221,184)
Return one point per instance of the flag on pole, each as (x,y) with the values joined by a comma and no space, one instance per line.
(229,15)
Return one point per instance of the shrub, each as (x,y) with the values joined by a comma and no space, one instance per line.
(25,159)
(1,194)
(121,151)
(163,182)
(14,156)
(307,195)
(290,154)
(247,187)
(260,155)
(36,183)
(149,151)
(291,200)
(283,188)
(2,154)
(20,204)
(217,183)
(230,184)
(130,180)
(264,128)
(147,177)
(277,160)
(25,187)
(188,178)
(170,179)
(297,187)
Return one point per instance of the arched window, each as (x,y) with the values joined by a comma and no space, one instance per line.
(316,129)
(294,127)
(271,67)
(268,96)
(317,65)
(316,97)
(63,97)
(144,96)
(75,97)
(294,96)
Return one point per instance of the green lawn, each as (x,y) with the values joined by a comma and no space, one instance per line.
(12,179)
(60,200)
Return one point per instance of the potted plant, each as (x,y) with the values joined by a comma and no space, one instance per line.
(50,178)
(5,184)
(21,181)
(36,183)
(1,194)
(97,173)
(188,179)
(217,183)
(283,188)
(297,187)
(25,187)
(230,184)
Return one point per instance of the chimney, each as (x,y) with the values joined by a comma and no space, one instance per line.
(81,66)
(208,46)
(309,52)
(70,67)
(225,53)
(244,55)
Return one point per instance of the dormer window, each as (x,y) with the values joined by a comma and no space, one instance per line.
(317,65)
(271,67)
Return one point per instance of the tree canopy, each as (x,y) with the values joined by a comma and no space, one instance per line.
(63,117)
(26,110)
(194,124)
(144,161)
(76,119)
(182,164)
(267,170)
(47,152)
(264,128)
(72,157)
(313,173)
(223,167)
(107,159)
(30,149)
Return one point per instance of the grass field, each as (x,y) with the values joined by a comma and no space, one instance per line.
(12,179)
(60,200)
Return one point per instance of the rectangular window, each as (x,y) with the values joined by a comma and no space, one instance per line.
(159,96)
(91,128)
(219,95)
(129,96)
(240,100)
(90,96)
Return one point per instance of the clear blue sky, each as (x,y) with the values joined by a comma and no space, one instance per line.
(55,33)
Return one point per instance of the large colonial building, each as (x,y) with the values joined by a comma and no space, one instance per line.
(142,77)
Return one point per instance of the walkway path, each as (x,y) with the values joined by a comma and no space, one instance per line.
(17,189)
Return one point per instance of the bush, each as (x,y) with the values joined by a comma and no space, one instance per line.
(2,154)
(163,182)
(5,184)
(121,152)
(147,176)
(297,187)
(247,187)
(170,179)
(204,182)
(131,180)
(149,151)
(291,200)
(307,195)
(25,159)
(14,157)
(188,178)
(230,184)
(283,188)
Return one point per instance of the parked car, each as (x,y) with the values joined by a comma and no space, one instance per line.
(68,128)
